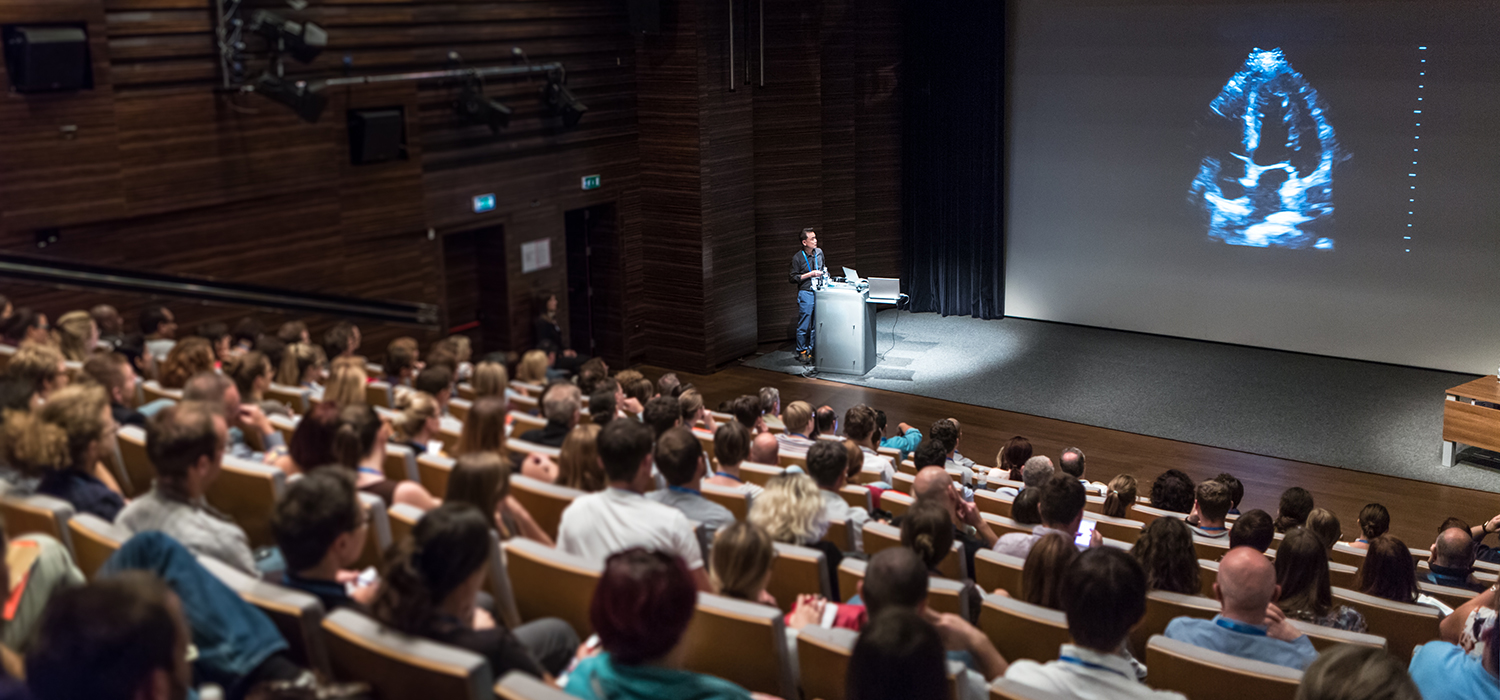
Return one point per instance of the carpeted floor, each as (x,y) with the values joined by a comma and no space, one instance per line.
(1345,413)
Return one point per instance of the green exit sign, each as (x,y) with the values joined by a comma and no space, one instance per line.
(590,182)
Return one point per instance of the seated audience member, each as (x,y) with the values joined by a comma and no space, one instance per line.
(934,485)
(1210,506)
(640,390)
(668,385)
(1296,504)
(791,509)
(1452,562)
(1061,508)
(402,361)
(269,345)
(1037,471)
(321,527)
(1325,525)
(437,382)
(359,446)
(342,340)
(1010,459)
(694,414)
(1103,594)
(826,463)
(590,373)
(251,373)
(731,448)
(77,336)
(159,326)
(121,638)
(215,390)
(825,421)
(25,326)
(293,332)
(625,404)
(61,444)
(484,431)
(39,366)
(662,413)
(1120,496)
(562,404)
(899,656)
(1350,672)
(533,367)
(1071,462)
(765,449)
(189,358)
(904,441)
(1046,565)
(1388,572)
(934,453)
(859,426)
(112,371)
(1374,521)
(679,457)
(1236,491)
(429,589)
(1443,671)
(482,479)
(640,611)
(1253,529)
(42,566)
(1302,573)
(798,417)
(620,517)
(1248,626)
(218,336)
(1026,509)
(186,445)
(245,334)
(490,379)
(770,408)
(578,460)
(602,407)
(345,386)
(1173,491)
(927,530)
(948,432)
(1165,551)
(420,424)
(741,563)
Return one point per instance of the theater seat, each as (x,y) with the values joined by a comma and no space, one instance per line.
(1020,630)
(1202,674)
(759,474)
(247,492)
(1404,625)
(284,425)
(895,502)
(993,503)
(757,658)
(37,513)
(378,393)
(550,583)
(1210,549)
(792,459)
(403,519)
(522,423)
(796,571)
(1341,575)
(1452,597)
(545,502)
(520,686)
(528,405)
(378,539)
(840,534)
(823,658)
(994,570)
(879,536)
(297,615)
(153,391)
(943,594)
(1146,514)
(497,583)
(433,472)
(295,398)
(1161,609)
(1208,573)
(94,541)
(519,449)
(398,665)
(459,407)
(1325,638)
(737,501)
(857,497)
(1004,526)
(131,440)
(904,482)
(401,464)
(1122,529)
(527,388)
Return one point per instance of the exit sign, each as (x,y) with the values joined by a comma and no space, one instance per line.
(484,203)
(590,182)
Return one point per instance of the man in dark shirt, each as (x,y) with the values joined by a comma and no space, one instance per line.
(561,404)
(808,270)
(321,527)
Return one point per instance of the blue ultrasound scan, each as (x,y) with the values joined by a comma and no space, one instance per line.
(1266,179)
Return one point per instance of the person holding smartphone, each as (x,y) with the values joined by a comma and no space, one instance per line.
(1061,508)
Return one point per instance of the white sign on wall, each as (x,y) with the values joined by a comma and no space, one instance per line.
(536,255)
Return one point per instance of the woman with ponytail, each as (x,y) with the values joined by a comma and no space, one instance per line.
(359,438)
(60,443)
(927,530)
(429,589)
(1296,505)
(1121,495)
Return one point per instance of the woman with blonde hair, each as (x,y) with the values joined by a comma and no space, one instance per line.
(578,465)
(60,443)
(77,335)
(189,357)
(740,563)
(483,480)
(791,510)
(302,365)
(419,423)
(533,368)
(1121,495)
(490,379)
(347,385)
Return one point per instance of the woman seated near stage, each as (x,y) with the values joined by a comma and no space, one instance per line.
(482,480)
(1165,551)
(1374,521)
(1306,595)
(1388,572)
(578,462)
(351,437)
(1010,459)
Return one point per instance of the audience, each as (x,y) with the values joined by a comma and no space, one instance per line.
(25,326)
(430,586)
(1388,572)
(482,480)
(359,446)
(562,404)
(187,359)
(798,418)
(490,379)
(159,326)
(1374,521)
(60,445)
(1026,509)
(401,362)
(578,462)
(112,372)
(927,530)
(741,563)
(1104,596)
(770,408)
(680,459)
(597,525)
(826,464)
(40,367)
(1302,574)
(859,426)
(1120,496)
(218,393)
(436,380)
(1046,566)
(1165,551)
(1071,461)
(1325,525)
(1236,491)
(899,656)
(1061,509)
(320,527)
(1210,506)
(1443,671)
(419,424)
(41,567)
(1037,471)
(791,509)
(934,485)
(1452,562)
(77,335)
(731,449)
(346,385)
(765,449)
(252,374)
(602,407)
(662,413)
(1350,672)
(1253,529)
(694,414)
(1173,491)
(904,441)
(948,432)
(1296,504)
(1248,626)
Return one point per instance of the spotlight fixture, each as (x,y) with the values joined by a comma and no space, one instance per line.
(303,40)
(304,99)
(472,106)
(560,101)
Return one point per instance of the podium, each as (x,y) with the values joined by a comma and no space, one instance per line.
(844,321)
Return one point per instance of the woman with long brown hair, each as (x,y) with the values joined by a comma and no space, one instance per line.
(1306,595)
(483,479)
(1389,572)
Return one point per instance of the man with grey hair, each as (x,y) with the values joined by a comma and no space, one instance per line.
(1034,473)
(1071,462)
(561,404)
(770,407)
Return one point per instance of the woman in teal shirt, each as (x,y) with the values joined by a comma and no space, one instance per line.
(641,609)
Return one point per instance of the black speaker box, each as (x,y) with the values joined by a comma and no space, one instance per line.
(645,16)
(376,135)
(47,58)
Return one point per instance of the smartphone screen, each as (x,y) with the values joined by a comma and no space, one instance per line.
(1085,533)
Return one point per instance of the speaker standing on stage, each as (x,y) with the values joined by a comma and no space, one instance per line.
(808,271)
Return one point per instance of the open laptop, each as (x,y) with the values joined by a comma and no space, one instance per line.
(885,289)
(850,275)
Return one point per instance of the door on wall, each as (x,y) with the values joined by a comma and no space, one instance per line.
(595,314)
(474,270)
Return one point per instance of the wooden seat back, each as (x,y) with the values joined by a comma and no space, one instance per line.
(896,503)
(297,615)
(735,500)
(295,397)
(377,535)
(994,570)
(841,535)
(1002,689)
(759,474)
(1325,638)
(137,463)
(521,423)
(1210,549)
(378,393)
(404,519)
(758,659)
(94,541)
(397,665)
(550,583)
(879,536)
(857,497)
(993,503)
(1203,674)
(37,513)
(1122,529)
(433,472)
(798,570)
(247,492)
(545,502)
(823,656)
(792,459)
(1404,625)
(401,464)
(1161,609)
(1020,630)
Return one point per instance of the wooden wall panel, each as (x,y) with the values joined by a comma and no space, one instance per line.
(877,100)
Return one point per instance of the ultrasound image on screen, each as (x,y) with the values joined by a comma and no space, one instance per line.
(1267,180)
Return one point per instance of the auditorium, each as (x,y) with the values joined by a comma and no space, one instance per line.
(733,349)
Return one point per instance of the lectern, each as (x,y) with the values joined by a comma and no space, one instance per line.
(844,318)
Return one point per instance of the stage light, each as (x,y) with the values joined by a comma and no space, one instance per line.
(474,107)
(304,99)
(304,40)
(560,101)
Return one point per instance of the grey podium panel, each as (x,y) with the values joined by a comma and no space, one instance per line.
(845,324)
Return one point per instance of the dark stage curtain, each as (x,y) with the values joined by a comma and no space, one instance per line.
(953,131)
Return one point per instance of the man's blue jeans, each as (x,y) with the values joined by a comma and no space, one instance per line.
(804,321)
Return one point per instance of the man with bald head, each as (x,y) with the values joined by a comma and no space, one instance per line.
(1453,560)
(936,484)
(1249,626)
(764,449)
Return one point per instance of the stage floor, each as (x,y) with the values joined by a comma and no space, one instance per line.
(1366,416)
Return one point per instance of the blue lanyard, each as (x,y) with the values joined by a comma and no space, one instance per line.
(371,471)
(1237,626)
(684,489)
(729,476)
(1087,664)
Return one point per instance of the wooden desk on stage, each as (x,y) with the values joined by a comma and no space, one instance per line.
(1467,424)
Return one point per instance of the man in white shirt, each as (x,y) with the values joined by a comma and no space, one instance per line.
(597,525)
(1061,508)
(1104,595)
(859,426)
(798,418)
(1210,506)
(826,464)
